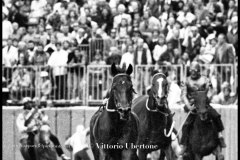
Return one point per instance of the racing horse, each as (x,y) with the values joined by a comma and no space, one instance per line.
(156,122)
(43,147)
(114,128)
(203,137)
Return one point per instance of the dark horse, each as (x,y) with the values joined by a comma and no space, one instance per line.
(156,124)
(203,138)
(114,128)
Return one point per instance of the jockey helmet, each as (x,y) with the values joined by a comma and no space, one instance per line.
(195,69)
(27,103)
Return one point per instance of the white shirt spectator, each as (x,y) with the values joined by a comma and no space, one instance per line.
(158,51)
(58,60)
(10,56)
(189,17)
(7,29)
(127,58)
(78,141)
(38,8)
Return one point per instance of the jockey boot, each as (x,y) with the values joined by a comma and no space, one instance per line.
(64,157)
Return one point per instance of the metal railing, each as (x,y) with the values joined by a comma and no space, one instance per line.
(143,75)
(79,84)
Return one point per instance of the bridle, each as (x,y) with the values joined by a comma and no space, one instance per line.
(166,115)
(165,96)
(118,106)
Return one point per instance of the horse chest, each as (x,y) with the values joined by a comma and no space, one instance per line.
(203,137)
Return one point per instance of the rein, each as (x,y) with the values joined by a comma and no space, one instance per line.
(166,115)
(155,110)
(110,110)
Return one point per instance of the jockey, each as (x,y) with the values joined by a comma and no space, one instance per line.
(28,124)
(196,82)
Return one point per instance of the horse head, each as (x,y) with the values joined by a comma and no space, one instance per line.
(200,102)
(122,91)
(159,90)
(44,134)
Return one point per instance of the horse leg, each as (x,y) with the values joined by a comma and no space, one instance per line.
(218,153)
(175,145)
(197,157)
(102,155)
(162,154)
(170,153)
(142,155)
(129,155)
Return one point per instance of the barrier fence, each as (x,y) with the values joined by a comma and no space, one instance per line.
(63,122)
(79,84)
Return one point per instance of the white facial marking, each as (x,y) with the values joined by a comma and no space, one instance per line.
(160,81)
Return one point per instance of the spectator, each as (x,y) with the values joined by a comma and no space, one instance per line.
(123,29)
(142,55)
(38,8)
(168,30)
(30,36)
(224,51)
(160,49)
(40,58)
(78,143)
(165,15)
(21,83)
(148,24)
(46,86)
(54,19)
(82,37)
(64,35)
(76,59)
(31,50)
(58,61)
(193,43)
(51,45)
(106,22)
(224,97)
(128,57)
(231,8)
(43,35)
(207,53)
(117,19)
(232,35)
(98,59)
(10,54)
(7,29)
(186,15)
(72,18)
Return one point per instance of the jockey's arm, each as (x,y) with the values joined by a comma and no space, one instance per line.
(30,116)
(20,123)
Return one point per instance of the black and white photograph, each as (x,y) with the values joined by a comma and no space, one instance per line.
(120,79)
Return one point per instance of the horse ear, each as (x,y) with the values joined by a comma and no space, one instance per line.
(130,69)
(114,69)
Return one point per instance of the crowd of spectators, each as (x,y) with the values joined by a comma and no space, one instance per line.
(160,32)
